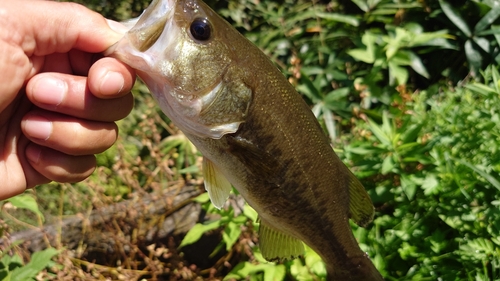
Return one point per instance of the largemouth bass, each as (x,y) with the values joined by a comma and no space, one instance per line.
(254,131)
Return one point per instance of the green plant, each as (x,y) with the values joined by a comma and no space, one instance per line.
(433,174)
(477,35)
(13,268)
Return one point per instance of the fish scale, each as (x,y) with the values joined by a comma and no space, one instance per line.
(255,132)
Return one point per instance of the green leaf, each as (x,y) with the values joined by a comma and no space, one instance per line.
(377,131)
(418,66)
(430,39)
(308,88)
(483,174)
(483,43)
(39,261)
(480,88)
(496,78)
(245,269)
(195,233)
(455,17)
(190,170)
(231,234)
(362,4)
(430,185)
(250,213)
(488,19)
(329,123)
(25,201)
(275,273)
(339,18)
(411,132)
(409,187)
(364,55)
(202,198)
(397,73)
(496,33)
(474,56)
(336,95)
(387,165)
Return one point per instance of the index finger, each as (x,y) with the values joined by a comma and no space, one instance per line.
(55,27)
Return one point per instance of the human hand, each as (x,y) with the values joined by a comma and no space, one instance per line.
(58,97)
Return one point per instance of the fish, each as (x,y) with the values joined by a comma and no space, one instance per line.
(255,133)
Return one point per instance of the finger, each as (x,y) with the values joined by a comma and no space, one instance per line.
(57,166)
(109,78)
(70,95)
(67,134)
(57,27)
(74,62)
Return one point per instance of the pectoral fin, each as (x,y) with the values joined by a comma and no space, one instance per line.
(360,204)
(216,184)
(276,245)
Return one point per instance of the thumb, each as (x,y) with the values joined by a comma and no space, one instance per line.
(45,27)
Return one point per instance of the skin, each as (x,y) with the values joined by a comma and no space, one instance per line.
(59,98)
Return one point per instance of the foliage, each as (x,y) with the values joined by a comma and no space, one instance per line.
(409,93)
(434,171)
(12,267)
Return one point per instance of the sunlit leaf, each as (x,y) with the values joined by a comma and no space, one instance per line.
(25,201)
(409,187)
(231,234)
(480,88)
(330,123)
(339,18)
(397,73)
(381,135)
(39,260)
(418,66)
(430,184)
(387,165)
(483,43)
(364,55)
(195,233)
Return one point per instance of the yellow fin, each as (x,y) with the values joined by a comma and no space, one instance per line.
(216,184)
(360,204)
(276,245)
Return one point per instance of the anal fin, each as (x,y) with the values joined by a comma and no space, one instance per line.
(360,204)
(276,245)
(216,184)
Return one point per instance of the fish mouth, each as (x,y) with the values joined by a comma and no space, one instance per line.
(143,32)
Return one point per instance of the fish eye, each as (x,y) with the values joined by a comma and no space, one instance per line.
(201,29)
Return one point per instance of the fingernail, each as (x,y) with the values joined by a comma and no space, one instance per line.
(38,127)
(49,91)
(112,83)
(117,27)
(33,153)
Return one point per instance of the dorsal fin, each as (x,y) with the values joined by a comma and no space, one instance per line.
(360,204)
(276,245)
(216,184)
